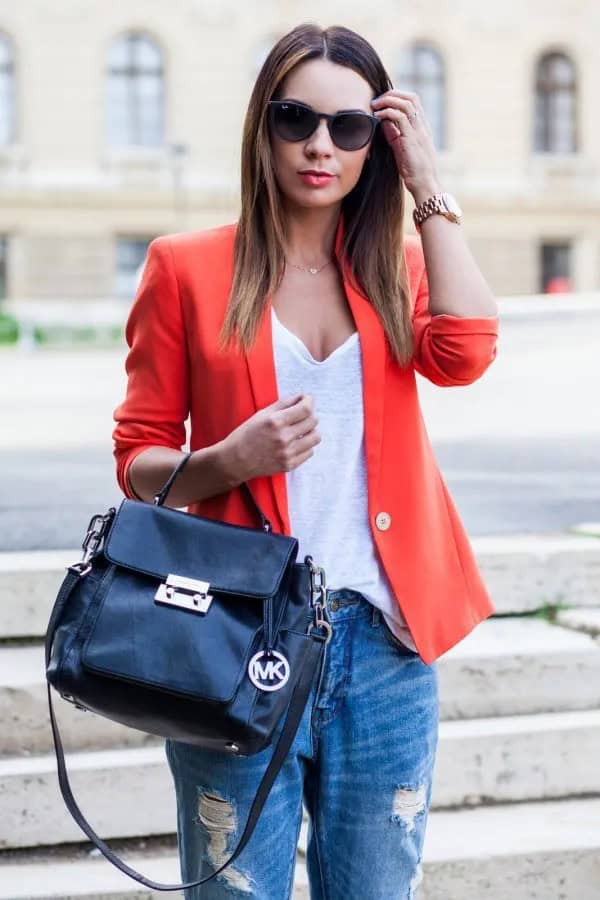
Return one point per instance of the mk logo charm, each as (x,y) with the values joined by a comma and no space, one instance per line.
(269,673)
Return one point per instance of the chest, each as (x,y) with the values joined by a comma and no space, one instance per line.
(316,312)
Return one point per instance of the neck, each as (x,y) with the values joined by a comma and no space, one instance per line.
(310,235)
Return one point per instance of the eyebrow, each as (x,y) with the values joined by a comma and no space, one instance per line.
(303,102)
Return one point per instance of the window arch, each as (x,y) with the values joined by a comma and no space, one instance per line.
(7,91)
(135,91)
(555,104)
(421,69)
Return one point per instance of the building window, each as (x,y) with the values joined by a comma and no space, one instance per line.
(131,255)
(3,266)
(555,104)
(556,267)
(135,92)
(7,91)
(421,69)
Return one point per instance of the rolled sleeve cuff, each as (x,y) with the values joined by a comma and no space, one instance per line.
(444,323)
(124,462)
(458,349)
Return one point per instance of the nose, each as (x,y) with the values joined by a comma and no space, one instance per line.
(320,137)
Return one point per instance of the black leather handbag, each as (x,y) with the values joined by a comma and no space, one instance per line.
(192,629)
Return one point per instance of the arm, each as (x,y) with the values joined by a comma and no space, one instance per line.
(207,472)
(456,328)
(150,421)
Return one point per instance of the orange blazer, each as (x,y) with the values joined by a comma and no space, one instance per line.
(174,371)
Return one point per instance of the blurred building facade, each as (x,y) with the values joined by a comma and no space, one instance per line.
(119,122)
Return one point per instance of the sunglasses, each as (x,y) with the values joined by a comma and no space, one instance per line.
(293,121)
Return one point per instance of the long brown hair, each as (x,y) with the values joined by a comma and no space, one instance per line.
(373,211)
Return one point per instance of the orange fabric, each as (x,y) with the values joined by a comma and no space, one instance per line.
(174,369)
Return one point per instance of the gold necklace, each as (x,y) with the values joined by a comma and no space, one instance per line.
(310,269)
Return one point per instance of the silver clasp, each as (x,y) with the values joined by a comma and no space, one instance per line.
(95,532)
(318,595)
(318,583)
(186,593)
(93,537)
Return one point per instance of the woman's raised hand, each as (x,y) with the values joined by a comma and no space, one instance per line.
(277,438)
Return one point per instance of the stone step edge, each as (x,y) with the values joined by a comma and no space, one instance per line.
(451,729)
(482,677)
(538,544)
(523,573)
(505,831)
(574,637)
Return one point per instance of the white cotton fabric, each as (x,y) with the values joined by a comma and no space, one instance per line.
(327,494)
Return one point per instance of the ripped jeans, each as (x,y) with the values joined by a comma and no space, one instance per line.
(362,761)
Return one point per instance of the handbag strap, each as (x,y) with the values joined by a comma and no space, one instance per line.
(311,659)
(160,497)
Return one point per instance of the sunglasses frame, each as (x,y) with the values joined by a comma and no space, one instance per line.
(274,104)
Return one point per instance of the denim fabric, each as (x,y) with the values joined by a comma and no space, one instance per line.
(362,761)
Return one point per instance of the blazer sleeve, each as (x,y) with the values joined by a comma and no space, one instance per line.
(156,403)
(451,350)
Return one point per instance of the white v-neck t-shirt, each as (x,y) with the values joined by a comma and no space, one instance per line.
(327,493)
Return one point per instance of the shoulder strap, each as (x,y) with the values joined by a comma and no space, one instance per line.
(308,667)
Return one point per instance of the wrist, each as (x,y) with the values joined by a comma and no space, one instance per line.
(227,464)
(425,189)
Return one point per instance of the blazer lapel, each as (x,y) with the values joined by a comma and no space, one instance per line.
(260,360)
(374,352)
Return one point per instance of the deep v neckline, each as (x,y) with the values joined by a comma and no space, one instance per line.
(351,339)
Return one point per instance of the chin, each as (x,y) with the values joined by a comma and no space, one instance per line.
(310,202)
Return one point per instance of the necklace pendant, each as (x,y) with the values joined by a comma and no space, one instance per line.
(313,271)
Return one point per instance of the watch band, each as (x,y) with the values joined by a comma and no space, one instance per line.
(431,206)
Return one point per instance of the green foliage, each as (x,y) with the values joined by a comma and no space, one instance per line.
(62,334)
(549,611)
(9,329)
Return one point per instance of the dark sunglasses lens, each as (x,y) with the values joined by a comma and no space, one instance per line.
(351,131)
(293,122)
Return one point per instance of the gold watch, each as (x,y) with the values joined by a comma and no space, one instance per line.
(443,203)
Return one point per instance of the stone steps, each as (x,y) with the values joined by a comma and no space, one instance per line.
(518,851)
(527,572)
(514,758)
(518,665)
(584,618)
(507,758)
(542,850)
(516,796)
(522,572)
(25,720)
(482,676)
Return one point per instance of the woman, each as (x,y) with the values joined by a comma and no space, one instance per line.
(316,408)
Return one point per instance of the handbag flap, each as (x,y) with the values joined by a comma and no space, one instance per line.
(158,540)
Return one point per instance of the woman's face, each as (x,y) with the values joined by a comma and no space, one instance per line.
(326,87)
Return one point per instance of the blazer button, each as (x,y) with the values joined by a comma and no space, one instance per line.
(383,520)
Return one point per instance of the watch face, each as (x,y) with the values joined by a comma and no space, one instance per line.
(451,204)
